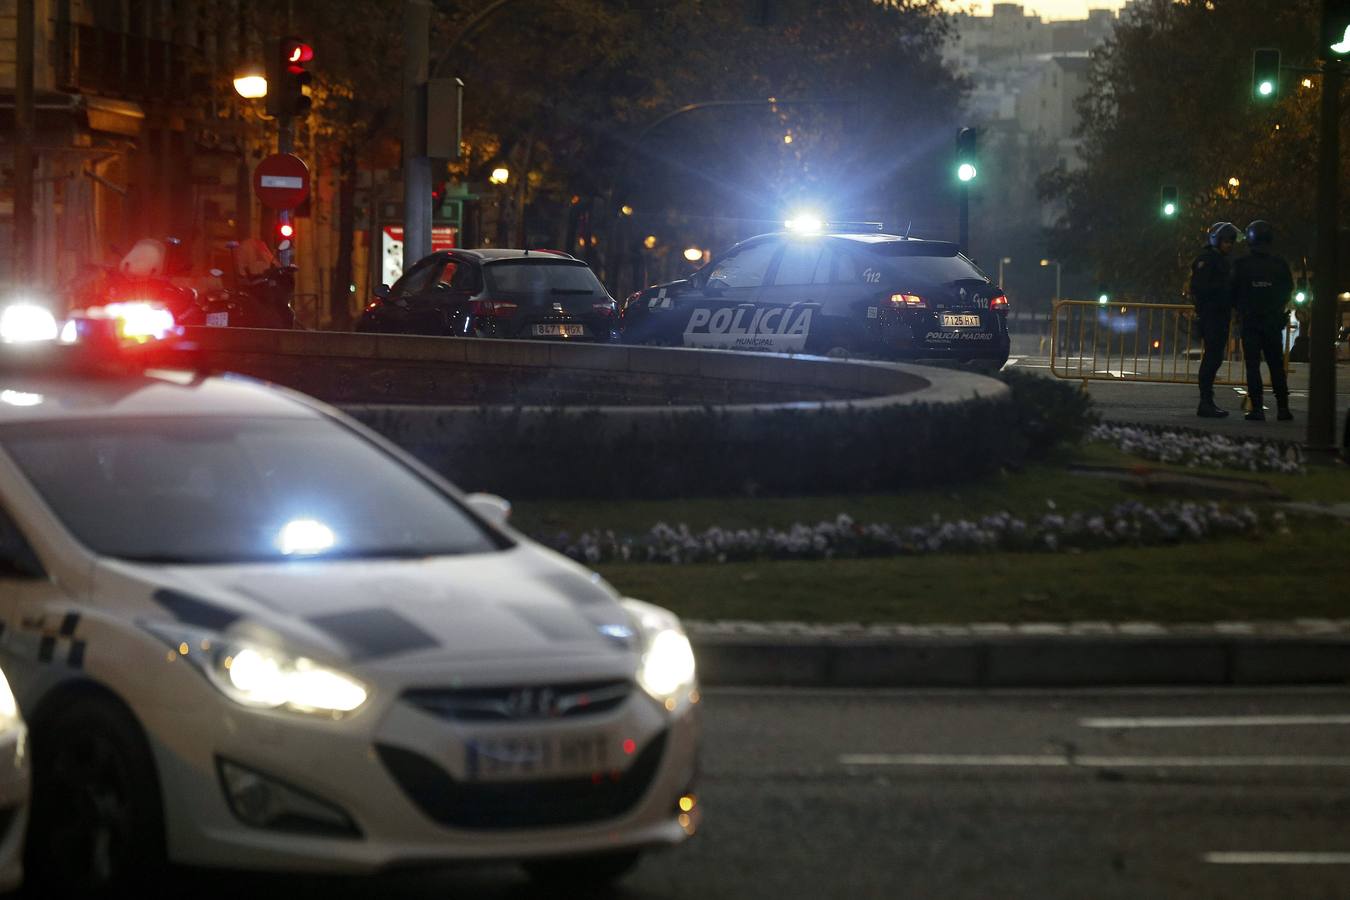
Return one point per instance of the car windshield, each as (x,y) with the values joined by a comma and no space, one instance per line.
(221,490)
(526,276)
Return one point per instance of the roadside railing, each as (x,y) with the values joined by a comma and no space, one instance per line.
(1129,341)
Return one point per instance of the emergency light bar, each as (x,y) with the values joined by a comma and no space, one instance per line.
(119,338)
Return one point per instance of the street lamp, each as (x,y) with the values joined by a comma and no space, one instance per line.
(1002,260)
(693,254)
(1055,263)
(500,175)
(250,82)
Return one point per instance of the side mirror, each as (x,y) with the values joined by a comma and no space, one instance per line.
(491,507)
(382,292)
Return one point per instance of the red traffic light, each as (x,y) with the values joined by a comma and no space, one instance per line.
(298,52)
(286,230)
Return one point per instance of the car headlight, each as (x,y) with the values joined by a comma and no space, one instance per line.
(9,707)
(254,674)
(667,668)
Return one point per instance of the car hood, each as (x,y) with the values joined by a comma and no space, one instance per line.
(521,602)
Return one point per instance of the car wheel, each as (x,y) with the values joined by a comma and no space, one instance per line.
(591,871)
(97,825)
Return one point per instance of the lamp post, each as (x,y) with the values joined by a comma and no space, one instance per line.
(1002,260)
(499,177)
(1055,263)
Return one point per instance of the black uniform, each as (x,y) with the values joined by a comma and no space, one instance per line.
(1211,291)
(1262,286)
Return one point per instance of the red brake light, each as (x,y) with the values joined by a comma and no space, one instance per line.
(908,301)
(494,309)
(999,302)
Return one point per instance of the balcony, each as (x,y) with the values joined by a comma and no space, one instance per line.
(112,64)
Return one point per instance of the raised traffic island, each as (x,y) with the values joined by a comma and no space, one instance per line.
(530,419)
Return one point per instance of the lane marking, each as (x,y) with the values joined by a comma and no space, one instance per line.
(1277,859)
(1089,761)
(1212,721)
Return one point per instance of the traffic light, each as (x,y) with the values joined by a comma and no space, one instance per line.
(288,92)
(1335,29)
(1265,73)
(1170,201)
(966,169)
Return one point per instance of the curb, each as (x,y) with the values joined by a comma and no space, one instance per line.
(1022,656)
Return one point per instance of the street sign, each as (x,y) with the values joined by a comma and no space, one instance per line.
(281,181)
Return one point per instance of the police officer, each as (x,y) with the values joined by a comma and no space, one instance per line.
(1211,292)
(1262,286)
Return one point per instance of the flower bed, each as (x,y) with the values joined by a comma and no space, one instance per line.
(1127,524)
(1196,449)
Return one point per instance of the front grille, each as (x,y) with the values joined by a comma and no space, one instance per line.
(516,703)
(521,804)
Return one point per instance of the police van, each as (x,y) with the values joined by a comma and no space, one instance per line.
(248,633)
(842,290)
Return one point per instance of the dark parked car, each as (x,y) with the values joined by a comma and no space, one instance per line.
(537,294)
(841,293)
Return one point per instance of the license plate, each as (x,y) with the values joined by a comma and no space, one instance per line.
(218,319)
(506,758)
(559,330)
(951,321)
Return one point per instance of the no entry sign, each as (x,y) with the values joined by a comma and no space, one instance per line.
(281,181)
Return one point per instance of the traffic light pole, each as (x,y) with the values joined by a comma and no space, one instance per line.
(963,233)
(285,144)
(416,166)
(1322,318)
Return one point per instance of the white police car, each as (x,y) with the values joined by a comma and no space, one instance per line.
(246,632)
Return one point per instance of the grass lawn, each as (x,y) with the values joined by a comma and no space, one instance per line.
(1024,493)
(1273,576)
(1306,573)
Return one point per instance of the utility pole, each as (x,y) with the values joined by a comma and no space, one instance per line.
(416,165)
(1322,317)
(23,143)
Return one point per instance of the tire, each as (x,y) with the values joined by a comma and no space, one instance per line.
(97,826)
(592,871)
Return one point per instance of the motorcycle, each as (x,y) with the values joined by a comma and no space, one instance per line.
(147,275)
(256,293)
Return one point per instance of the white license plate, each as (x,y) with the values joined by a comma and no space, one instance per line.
(951,321)
(218,319)
(559,330)
(509,757)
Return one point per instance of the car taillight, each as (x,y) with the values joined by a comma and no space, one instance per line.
(999,303)
(495,309)
(603,309)
(908,301)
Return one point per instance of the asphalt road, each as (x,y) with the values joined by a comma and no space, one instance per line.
(947,794)
(1174,404)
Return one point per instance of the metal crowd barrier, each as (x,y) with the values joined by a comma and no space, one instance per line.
(1129,341)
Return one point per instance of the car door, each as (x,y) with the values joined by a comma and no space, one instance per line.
(413,296)
(789,304)
(25,590)
(721,313)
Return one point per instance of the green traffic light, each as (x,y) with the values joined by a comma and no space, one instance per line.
(1300,297)
(966,172)
(1103,299)
(1266,88)
(1169,209)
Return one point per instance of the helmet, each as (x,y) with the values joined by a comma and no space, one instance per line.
(1222,231)
(1260,232)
